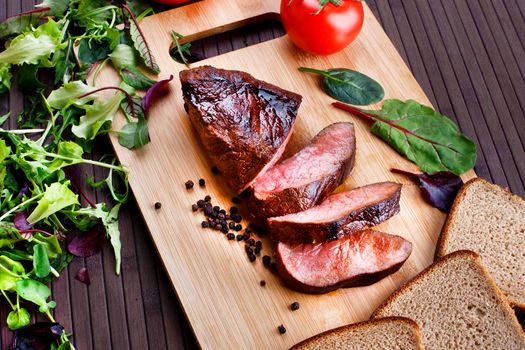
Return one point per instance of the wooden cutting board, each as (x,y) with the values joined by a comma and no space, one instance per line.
(216,284)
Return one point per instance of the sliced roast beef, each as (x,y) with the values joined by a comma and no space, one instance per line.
(243,123)
(359,259)
(339,214)
(306,178)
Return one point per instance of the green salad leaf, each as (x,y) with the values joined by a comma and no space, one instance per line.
(35,292)
(349,86)
(69,94)
(134,134)
(41,260)
(123,56)
(10,272)
(18,318)
(56,197)
(5,77)
(421,134)
(96,116)
(135,78)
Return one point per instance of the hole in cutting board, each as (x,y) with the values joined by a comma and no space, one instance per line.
(231,40)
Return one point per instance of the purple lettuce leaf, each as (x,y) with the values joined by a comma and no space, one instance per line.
(20,221)
(439,189)
(38,336)
(82,275)
(89,243)
(154,92)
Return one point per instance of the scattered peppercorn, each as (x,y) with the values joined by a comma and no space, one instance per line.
(262,283)
(251,241)
(215,170)
(258,244)
(189,184)
(194,207)
(224,229)
(231,225)
(158,205)
(234,210)
(249,251)
(257,250)
(266,260)
(205,224)
(202,182)
(252,257)
(238,227)
(208,212)
(236,218)
(222,211)
(231,236)
(246,235)
(239,237)
(207,198)
(281,329)
(295,306)
(216,208)
(221,216)
(236,200)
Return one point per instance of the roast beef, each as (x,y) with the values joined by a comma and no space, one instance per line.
(359,259)
(339,214)
(306,178)
(243,123)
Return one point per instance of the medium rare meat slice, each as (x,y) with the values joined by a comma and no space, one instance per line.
(306,178)
(359,259)
(339,214)
(243,123)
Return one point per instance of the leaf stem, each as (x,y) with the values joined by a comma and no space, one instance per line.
(8,300)
(23,131)
(12,210)
(404,172)
(87,161)
(313,70)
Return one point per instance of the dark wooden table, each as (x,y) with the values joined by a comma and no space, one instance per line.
(469,57)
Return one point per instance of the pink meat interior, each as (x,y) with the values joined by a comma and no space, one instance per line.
(322,157)
(341,204)
(325,264)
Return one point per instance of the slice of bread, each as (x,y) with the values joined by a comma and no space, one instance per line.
(457,305)
(489,220)
(387,333)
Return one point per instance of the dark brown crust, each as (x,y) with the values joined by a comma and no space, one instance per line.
(356,281)
(442,241)
(374,214)
(253,131)
(363,324)
(465,253)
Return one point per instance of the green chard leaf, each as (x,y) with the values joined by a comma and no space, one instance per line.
(18,24)
(96,116)
(35,292)
(140,43)
(135,78)
(134,134)
(123,56)
(18,318)
(424,136)
(41,260)
(349,86)
(28,78)
(69,93)
(51,244)
(91,51)
(56,197)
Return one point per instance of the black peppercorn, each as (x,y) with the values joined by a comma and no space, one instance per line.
(207,198)
(208,212)
(216,208)
(188,184)
(221,216)
(251,241)
(231,225)
(262,283)
(205,224)
(258,244)
(246,235)
(231,236)
(266,260)
(257,250)
(281,329)
(158,205)
(295,306)
(238,227)
(202,183)
(236,200)
(252,257)
(215,170)
(234,210)
(222,211)
(194,207)
(239,237)
(224,229)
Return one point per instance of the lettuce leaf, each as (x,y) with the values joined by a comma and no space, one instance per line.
(96,116)
(68,94)
(56,197)
(5,78)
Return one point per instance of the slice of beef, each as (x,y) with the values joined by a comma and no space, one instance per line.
(339,214)
(306,178)
(360,259)
(243,123)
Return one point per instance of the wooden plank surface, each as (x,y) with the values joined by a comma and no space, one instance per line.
(430,37)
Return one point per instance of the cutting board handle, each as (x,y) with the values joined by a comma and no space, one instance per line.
(205,18)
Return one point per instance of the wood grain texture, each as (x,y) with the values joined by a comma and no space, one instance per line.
(85,309)
(217,286)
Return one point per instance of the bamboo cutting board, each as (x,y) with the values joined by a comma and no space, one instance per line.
(216,284)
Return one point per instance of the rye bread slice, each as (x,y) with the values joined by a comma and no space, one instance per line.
(490,220)
(389,333)
(457,305)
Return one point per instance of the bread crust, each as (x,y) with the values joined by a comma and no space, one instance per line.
(444,235)
(460,253)
(412,324)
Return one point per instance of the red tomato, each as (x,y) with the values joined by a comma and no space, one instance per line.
(172,2)
(322,32)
